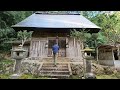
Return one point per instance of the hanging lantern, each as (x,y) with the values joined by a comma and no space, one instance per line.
(67,45)
(46,45)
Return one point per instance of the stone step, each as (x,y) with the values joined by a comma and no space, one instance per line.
(67,73)
(57,59)
(55,75)
(54,72)
(59,69)
(56,64)
(49,66)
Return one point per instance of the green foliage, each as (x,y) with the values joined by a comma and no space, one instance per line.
(74,77)
(90,14)
(80,35)
(26,76)
(5,65)
(7,19)
(107,77)
(101,39)
(110,27)
(24,36)
(6,61)
(4,76)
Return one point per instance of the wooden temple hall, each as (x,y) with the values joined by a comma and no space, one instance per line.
(51,27)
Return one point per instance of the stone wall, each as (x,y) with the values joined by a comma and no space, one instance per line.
(107,62)
(77,69)
(6,66)
(30,67)
(101,69)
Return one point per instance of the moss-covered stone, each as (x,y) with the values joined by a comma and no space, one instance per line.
(6,66)
(77,69)
(106,77)
(29,68)
(4,76)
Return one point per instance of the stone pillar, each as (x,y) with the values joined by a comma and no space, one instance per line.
(88,66)
(17,66)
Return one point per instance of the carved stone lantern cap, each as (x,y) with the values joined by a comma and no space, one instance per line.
(87,49)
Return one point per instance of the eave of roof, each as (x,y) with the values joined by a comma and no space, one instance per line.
(56,21)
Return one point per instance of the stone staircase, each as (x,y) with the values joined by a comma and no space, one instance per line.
(59,59)
(61,70)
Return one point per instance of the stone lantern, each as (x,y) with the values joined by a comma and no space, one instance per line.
(18,56)
(88,57)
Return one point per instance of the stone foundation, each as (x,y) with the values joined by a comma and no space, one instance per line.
(30,67)
(77,69)
(6,68)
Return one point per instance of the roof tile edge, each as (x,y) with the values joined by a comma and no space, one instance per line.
(57,13)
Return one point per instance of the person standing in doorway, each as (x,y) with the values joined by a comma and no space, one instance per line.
(55,49)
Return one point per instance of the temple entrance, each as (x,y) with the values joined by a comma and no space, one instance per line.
(116,55)
(62,45)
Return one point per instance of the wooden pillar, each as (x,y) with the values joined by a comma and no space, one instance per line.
(67,48)
(57,39)
(74,42)
(113,56)
(82,45)
(118,52)
(47,42)
(30,52)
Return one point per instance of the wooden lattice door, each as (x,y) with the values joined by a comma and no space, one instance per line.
(37,49)
(61,43)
